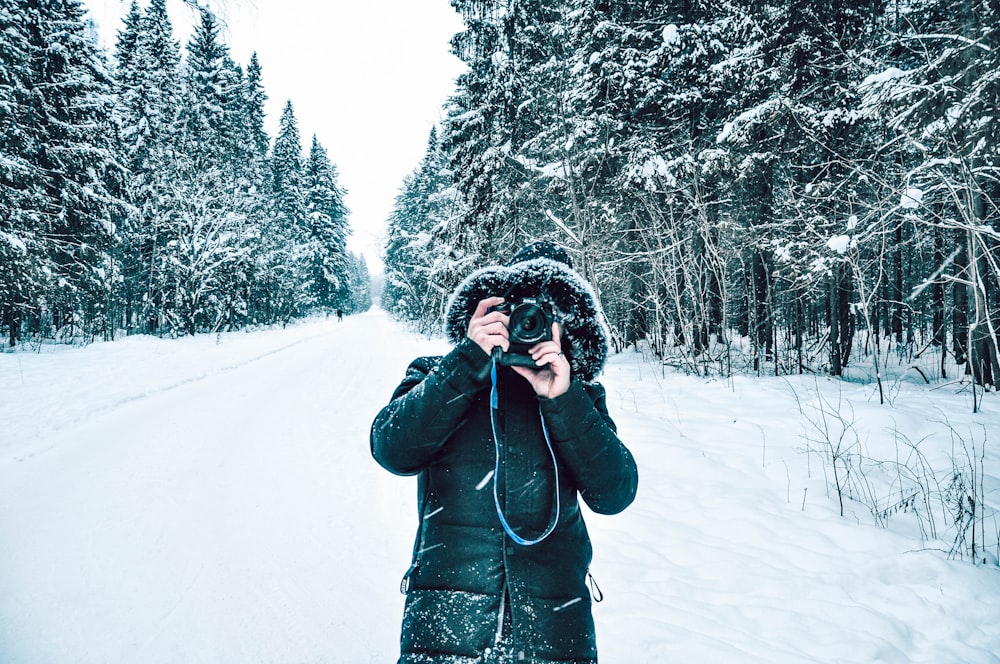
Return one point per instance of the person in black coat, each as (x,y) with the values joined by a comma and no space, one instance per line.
(503,441)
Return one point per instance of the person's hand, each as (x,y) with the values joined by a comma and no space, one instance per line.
(552,377)
(489,328)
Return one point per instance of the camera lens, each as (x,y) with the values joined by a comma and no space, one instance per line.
(528,324)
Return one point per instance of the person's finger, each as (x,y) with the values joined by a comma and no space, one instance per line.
(544,348)
(484,306)
(490,335)
(555,359)
(493,317)
(490,327)
(492,340)
(554,345)
(557,334)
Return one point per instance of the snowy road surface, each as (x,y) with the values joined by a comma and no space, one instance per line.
(204,500)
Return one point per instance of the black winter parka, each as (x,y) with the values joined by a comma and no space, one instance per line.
(468,576)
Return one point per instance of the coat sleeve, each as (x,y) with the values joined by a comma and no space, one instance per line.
(427,407)
(586,441)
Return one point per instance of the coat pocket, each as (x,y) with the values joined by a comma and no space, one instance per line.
(563,630)
(449,622)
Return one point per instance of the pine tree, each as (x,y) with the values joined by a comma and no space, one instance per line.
(421,263)
(251,122)
(732,164)
(127,49)
(250,173)
(500,107)
(208,87)
(287,173)
(285,239)
(647,110)
(148,80)
(23,250)
(208,228)
(74,177)
(328,230)
(359,286)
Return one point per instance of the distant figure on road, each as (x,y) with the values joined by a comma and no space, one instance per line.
(340,315)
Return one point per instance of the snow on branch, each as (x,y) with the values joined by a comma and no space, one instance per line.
(736,129)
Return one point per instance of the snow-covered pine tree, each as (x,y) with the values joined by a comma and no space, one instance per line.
(208,90)
(285,238)
(408,258)
(359,285)
(253,143)
(206,230)
(565,200)
(127,50)
(793,138)
(421,264)
(250,169)
(287,176)
(587,140)
(147,86)
(328,230)
(755,124)
(648,95)
(72,173)
(24,272)
(498,108)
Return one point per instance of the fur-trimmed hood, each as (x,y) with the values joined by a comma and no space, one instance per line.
(585,339)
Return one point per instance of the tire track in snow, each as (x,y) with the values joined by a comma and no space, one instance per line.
(30,451)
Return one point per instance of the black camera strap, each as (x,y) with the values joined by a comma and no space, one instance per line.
(494,405)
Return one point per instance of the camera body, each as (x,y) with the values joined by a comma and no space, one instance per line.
(530,324)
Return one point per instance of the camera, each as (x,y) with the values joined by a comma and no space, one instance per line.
(530,323)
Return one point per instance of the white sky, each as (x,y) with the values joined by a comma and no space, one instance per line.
(369,79)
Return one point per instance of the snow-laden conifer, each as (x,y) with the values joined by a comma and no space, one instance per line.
(330,265)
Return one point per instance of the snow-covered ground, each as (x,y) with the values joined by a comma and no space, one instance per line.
(213,500)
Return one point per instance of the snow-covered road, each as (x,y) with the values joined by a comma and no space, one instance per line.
(214,501)
(232,516)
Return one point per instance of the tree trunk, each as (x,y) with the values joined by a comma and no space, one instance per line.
(13,323)
(937,294)
(761,330)
(960,300)
(841,324)
(897,286)
(983,359)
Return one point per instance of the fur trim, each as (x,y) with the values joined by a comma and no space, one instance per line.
(572,300)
